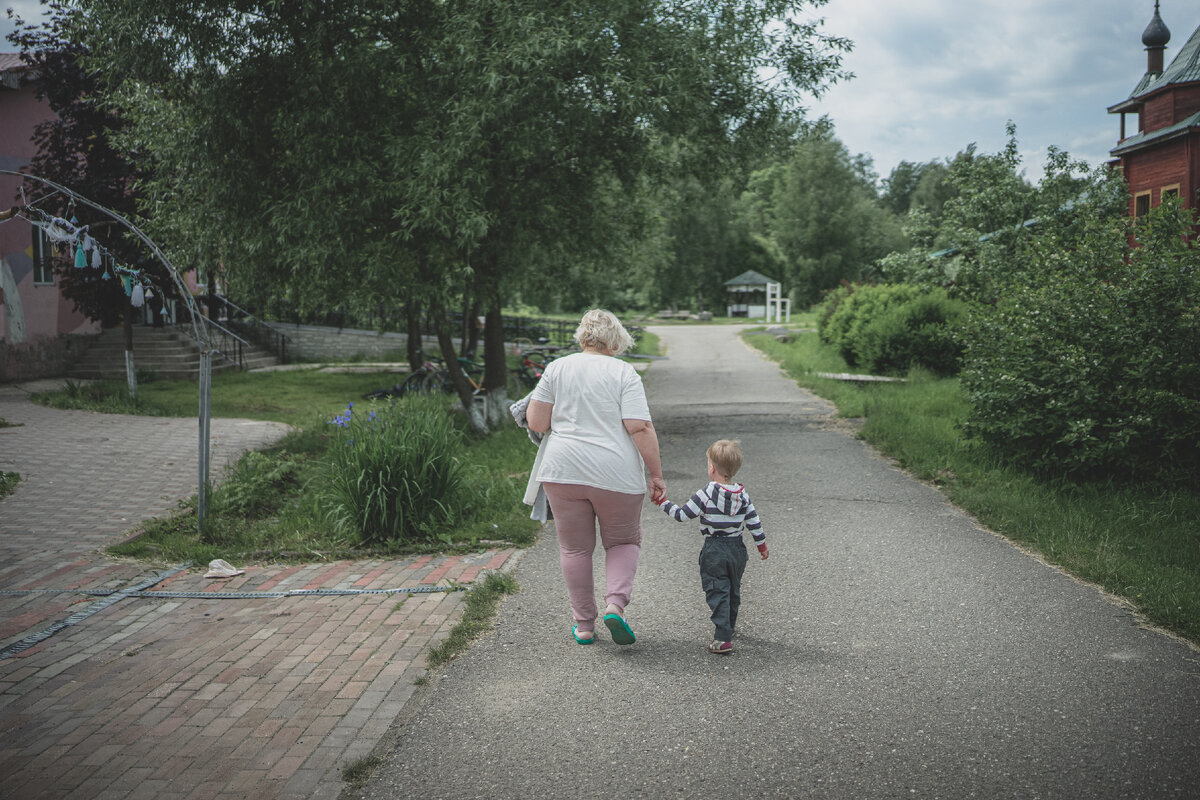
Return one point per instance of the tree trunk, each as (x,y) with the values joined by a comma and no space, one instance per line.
(466,393)
(416,358)
(464,330)
(471,329)
(495,359)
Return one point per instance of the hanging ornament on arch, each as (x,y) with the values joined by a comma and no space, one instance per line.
(80,258)
(138,298)
(96,258)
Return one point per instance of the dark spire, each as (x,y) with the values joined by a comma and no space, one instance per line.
(1155,38)
(1156,33)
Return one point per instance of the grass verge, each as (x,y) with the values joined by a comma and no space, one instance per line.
(480,610)
(1138,542)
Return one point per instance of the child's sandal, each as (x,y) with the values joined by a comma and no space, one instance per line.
(719,647)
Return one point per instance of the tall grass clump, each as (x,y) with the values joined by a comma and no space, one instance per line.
(8,482)
(395,471)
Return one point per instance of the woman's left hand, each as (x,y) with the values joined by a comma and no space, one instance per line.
(658,490)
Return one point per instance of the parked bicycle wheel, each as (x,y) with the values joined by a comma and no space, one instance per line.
(414,383)
(381,394)
(438,381)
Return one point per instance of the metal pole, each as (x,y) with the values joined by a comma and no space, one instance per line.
(205,381)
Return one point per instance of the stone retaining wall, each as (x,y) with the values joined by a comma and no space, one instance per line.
(318,343)
(47,357)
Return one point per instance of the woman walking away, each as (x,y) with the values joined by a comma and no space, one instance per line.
(592,466)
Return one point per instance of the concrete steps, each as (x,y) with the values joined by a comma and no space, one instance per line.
(165,352)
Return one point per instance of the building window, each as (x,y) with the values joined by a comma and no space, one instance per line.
(1141,204)
(1169,191)
(43,258)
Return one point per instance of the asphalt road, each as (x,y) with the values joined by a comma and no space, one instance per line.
(889,648)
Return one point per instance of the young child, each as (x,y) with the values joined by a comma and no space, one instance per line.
(723,508)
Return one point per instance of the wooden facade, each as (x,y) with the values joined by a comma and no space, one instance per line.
(1163,157)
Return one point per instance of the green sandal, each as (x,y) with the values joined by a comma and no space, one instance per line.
(621,632)
(575,633)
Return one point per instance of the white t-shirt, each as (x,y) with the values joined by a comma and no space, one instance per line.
(588,444)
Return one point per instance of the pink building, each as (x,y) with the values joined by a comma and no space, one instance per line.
(39,328)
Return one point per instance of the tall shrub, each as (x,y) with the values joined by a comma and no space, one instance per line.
(1093,368)
(395,471)
(920,331)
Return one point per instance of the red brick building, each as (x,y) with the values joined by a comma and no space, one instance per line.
(1163,156)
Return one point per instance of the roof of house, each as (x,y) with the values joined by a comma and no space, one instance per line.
(1180,128)
(750,278)
(1184,68)
(11,70)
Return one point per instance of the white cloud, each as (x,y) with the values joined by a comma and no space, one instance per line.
(28,10)
(935,75)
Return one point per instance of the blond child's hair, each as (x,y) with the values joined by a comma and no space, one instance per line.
(726,456)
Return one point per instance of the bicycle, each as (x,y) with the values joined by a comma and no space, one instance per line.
(415,382)
(530,370)
(423,379)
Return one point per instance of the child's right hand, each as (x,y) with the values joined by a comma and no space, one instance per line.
(763,552)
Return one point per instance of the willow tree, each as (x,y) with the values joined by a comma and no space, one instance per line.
(545,103)
(336,152)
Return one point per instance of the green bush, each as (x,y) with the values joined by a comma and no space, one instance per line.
(395,471)
(1095,370)
(832,300)
(921,332)
(892,328)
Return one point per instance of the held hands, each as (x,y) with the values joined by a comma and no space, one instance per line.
(658,490)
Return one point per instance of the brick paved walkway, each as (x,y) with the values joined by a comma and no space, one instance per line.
(170,692)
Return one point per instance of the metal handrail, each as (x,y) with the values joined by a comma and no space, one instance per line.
(239,357)
(276,340)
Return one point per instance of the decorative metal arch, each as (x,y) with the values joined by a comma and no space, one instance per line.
(199,329)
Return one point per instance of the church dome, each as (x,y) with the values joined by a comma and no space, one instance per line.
(1156,33)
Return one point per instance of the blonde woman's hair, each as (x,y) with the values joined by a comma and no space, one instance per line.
(600,329)
(726,456)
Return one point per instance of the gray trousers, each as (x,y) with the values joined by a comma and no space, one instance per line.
(722,562)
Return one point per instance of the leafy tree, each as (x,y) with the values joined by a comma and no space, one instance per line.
(820,210)
(75,149)
(977,246)
(934,188)
(328,153)
(899,186)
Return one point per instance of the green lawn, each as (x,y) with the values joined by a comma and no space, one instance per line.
(291,396)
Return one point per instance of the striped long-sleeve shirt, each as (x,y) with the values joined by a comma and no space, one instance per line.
(723,511)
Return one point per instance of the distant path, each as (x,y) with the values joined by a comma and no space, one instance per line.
(890,648)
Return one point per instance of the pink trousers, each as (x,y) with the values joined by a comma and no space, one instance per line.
(577,509)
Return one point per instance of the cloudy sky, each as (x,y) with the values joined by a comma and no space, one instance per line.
(932,76)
